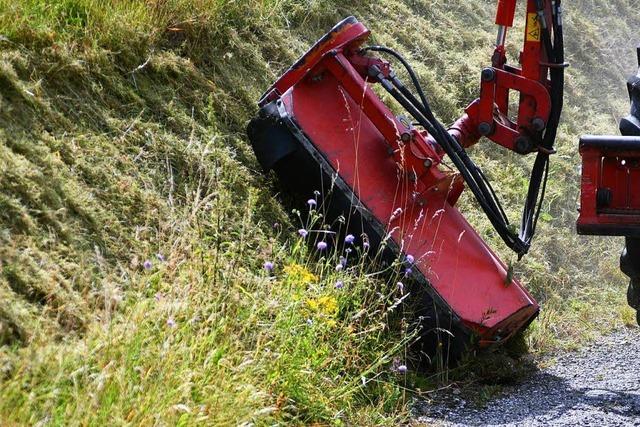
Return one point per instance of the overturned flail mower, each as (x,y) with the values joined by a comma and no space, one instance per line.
(321,126)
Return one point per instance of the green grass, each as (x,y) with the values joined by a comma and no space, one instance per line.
(122,136)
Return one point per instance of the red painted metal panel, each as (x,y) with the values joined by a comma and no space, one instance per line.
(634,184)
(457,262)
(347,32)
(505,12)
(611,165)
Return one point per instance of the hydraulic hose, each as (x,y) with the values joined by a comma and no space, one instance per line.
(472,174)
(540,170)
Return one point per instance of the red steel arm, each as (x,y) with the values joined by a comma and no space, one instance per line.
(489,114)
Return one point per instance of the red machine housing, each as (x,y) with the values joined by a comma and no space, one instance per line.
(610,196)
(390,174)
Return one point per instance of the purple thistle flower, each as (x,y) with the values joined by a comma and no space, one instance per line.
(321,246)
(171,322)
(402,369)
(303,233)
(339,284)
(407,272)
(365,245)
(401,287)
(160,257)
(410,259)
(312,203)
(347,251)
(349,239)
(147,265)
(268,265)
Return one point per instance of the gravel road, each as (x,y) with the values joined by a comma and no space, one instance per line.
(596,386)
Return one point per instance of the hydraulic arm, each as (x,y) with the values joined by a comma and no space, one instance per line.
(539,82)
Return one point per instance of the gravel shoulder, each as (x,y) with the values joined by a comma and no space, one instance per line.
(596,386)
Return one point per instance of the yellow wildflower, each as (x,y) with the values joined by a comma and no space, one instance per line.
(331,323)
(325,305)
(297,274)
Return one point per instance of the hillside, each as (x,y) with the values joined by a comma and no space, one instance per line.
(134,221)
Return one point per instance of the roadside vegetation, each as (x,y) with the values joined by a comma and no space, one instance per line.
(148,271)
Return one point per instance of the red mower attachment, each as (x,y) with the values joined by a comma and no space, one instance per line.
(322,127)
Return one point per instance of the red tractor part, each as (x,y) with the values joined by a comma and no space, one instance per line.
(322,126)
(610,189)
(610,197)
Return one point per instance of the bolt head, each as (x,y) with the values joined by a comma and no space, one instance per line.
(538,124)
(484,128)
(523,145)
(488,74)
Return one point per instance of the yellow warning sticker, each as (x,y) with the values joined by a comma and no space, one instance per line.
(533,27)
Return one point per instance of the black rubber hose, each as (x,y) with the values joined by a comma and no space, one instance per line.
(457,153)
(475,179)
(442,134)
(540,170)
(412,74)
(472,175)
(546,37)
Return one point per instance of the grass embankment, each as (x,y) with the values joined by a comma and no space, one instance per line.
(122,130)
